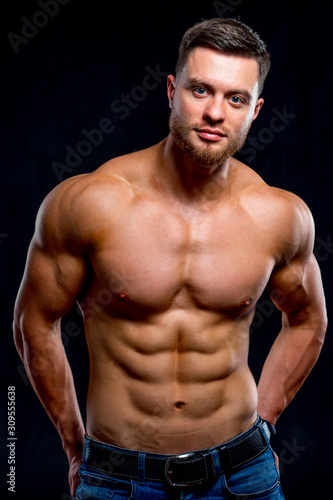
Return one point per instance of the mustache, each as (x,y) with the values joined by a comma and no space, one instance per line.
(222,130)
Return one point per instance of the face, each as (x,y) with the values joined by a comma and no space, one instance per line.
(213,103)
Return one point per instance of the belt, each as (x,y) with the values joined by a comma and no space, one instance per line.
(188,469)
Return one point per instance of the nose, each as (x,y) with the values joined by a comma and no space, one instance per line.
(214,111)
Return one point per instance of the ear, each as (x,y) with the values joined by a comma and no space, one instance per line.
(171,88)
(259,104)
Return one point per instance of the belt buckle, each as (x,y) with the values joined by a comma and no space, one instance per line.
(168,472)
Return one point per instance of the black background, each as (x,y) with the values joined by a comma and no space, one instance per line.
(63,81)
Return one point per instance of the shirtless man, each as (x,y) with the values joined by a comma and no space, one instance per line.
(172,247)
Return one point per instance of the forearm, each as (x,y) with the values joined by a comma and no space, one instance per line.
(292,356)
(47,367)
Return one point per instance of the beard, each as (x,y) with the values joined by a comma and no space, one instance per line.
(208,155)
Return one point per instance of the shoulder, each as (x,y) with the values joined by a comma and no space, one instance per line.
(283,216)
(288,220)
(279,205)
(81,204)
(114,180)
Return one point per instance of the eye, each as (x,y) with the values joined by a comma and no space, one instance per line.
(235,99)
(201,91)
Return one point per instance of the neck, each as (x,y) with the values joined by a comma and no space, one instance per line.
(188,178)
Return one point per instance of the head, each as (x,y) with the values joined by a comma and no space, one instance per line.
(229,36)
(220,73)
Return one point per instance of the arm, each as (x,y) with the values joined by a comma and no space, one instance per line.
(53,277)
(296,289)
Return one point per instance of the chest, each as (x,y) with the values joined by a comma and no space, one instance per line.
(154,257)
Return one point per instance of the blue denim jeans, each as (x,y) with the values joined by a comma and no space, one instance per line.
(257,479)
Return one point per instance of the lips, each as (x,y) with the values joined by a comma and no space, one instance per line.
(210,134)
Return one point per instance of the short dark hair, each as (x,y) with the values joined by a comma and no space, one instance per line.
(230,36)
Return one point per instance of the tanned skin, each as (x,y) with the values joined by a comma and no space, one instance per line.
(167,257)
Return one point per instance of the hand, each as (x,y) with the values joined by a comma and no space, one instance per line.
(73,475)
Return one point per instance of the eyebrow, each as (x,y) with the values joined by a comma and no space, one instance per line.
(198,82)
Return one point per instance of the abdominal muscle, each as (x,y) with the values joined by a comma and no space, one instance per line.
(159,388)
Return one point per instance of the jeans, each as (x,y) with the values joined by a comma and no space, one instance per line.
(257,479)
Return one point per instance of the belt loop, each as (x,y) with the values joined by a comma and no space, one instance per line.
(216,462)
(141,467)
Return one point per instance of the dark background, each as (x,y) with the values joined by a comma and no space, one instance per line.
(63,81)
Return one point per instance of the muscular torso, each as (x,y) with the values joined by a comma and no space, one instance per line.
(167,315)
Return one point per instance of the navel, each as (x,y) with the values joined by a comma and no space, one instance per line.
(179,404)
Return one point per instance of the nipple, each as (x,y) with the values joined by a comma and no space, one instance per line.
(246,302)
(122,294)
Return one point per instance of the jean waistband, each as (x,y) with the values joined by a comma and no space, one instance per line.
(186,469)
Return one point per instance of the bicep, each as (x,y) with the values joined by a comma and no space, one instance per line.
(296,289)
(55,269)
(51,283)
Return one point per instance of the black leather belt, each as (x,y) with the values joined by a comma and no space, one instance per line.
(188,469)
